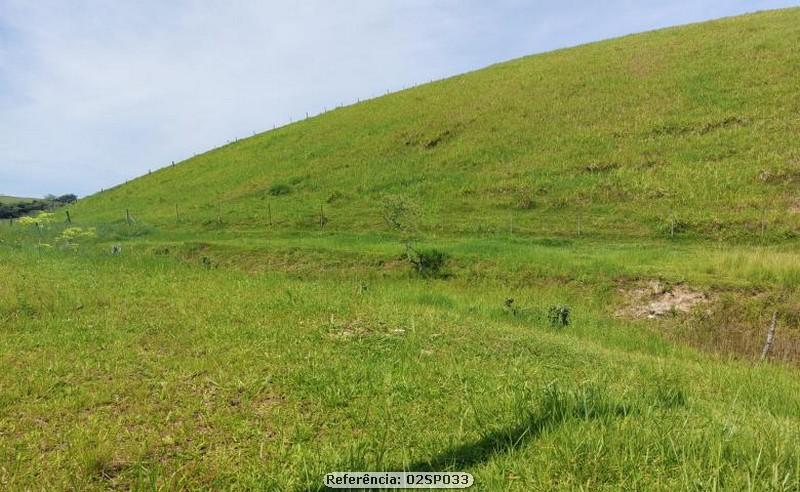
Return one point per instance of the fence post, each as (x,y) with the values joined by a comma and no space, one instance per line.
(269,213)
(770,336)
(69,219)
(128,216)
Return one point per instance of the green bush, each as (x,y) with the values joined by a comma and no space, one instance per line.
(428,263)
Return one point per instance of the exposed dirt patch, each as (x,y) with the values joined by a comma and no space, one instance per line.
(654,299)
(779,176)
(429,140)
(698,128)
(263,405)
(600,167)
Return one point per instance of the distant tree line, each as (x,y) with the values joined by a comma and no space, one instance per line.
(21,209)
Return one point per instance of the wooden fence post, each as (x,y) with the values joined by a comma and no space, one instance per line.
(69,219)
(770,336)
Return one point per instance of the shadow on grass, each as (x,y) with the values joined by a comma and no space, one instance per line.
(554,408)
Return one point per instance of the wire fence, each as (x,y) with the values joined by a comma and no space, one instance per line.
(519,224)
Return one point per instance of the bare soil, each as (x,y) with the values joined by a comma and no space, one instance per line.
(654,299)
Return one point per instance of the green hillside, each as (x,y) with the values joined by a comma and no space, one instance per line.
(556,273)
(10,200)
(693,126)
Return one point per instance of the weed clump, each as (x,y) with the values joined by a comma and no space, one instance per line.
(163,251)
(673,226)
(509,306)
(428,263)
(279,189)
(334,197)
(525,202)
(601,167)
(558,316)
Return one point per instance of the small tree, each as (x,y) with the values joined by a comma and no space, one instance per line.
(402,215)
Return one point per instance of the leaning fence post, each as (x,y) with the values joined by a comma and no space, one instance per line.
(69,219)
(770,336)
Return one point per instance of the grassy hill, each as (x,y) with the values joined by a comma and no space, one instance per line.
(619,224)
(691,129)
(9,200)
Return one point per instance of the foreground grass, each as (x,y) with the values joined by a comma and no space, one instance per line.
(149,372)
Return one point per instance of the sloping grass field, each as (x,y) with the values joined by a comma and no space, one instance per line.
(150,372)
(249,320)
(693,127)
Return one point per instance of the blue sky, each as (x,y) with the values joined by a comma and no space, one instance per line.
(96,92)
